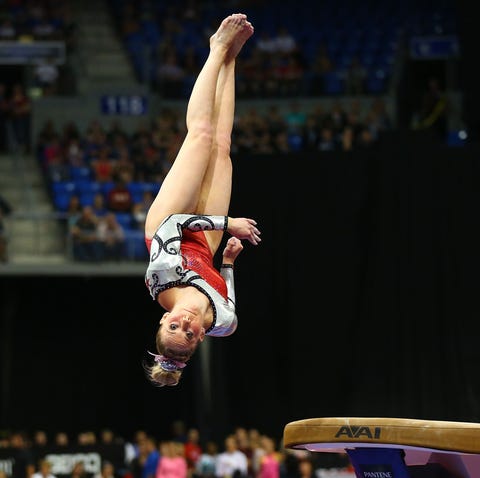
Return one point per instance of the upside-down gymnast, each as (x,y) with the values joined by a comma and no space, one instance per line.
(186,221)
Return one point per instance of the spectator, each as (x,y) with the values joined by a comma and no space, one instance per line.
(20,107)
(53,160)
(39,445)
(46,76)
(173,463)
(40,438)
(179,431)
(99,205)
(107,471)
(355,77)
(306,468)
(336,119)
(289,74)
(110,440)
(291,462)
(86,246)
(78,470)
(144,465)
(191,67)
(24,462)
(321,65)
(310,133)
(5,210)
(73,211)
(8,30)
(326,141)
(44,470)
(295,118)
(193,450)
(284,41)
(61,439)
(4,117)
(44,29)
(231,463)
(140,209)
(170,76)
(365,139)
(206,464)
(119,198)
(243,444)
(251,74)
(86,438)
(102,165)
(269,466)
(94,141)
(266,44)
(112,238)
(73,152)
(124,167)
(347,139)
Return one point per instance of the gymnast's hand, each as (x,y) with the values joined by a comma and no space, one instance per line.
(232,249)
(244,228)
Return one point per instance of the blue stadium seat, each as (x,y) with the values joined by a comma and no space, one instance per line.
(151,32)
(64,186)
(334,84)
(125,219)
(136,248)
(106,187)
(61,199)
(87,186)
(295,141)
(153,187)
(376,81)
(136,190)
(80,172)
(86,198)
(62,191)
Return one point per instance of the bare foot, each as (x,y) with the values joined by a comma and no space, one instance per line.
(228,31)
(240,39)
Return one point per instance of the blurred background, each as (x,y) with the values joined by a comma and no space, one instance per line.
(355,147)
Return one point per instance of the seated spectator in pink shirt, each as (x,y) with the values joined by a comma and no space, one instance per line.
(173,463)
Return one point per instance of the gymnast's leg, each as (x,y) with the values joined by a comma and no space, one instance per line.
(180,190)
(217,184)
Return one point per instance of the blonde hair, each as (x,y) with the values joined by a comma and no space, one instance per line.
(160,377)
(157,374)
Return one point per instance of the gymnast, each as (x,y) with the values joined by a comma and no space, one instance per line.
(185,224)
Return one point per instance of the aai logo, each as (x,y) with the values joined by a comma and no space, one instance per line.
(358,432)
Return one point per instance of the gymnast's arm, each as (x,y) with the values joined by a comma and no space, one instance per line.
(230,253)
(240,227)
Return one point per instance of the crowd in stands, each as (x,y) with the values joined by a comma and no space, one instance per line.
(243,453)
(41,20)
(29,22)
(325,47)
(104,179)
(284,60)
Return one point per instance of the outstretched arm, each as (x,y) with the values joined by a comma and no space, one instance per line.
(239,227)
(244,228)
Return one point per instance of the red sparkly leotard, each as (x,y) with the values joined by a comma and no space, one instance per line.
(198,257)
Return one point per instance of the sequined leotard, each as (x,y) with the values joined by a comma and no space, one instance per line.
(179,255)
